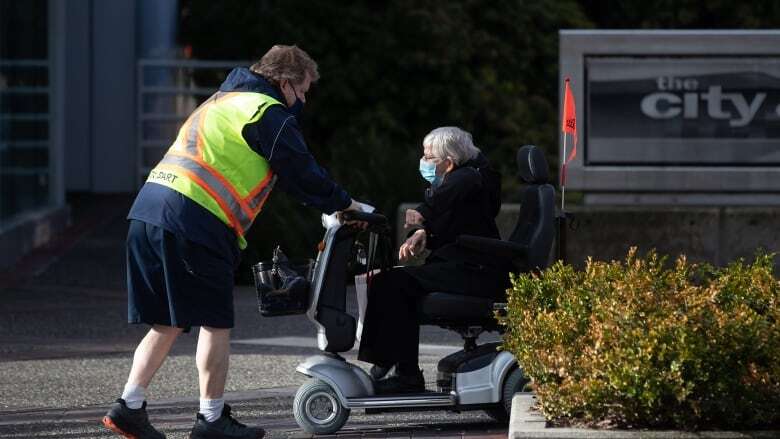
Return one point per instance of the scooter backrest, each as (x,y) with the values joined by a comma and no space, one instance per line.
(536,221)
(532,165)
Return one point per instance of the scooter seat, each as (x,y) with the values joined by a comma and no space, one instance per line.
(455,310)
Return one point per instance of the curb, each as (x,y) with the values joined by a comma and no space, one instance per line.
(525,423)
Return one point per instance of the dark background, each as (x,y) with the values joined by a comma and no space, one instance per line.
(392,71)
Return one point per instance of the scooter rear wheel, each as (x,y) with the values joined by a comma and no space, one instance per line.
(514,382)
(317,409)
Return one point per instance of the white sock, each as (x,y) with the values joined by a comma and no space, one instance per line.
(211,409)
(134,396)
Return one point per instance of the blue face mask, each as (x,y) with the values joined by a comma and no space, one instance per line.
(428,172)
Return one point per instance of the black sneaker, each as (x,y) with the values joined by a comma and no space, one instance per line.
(395,384)
(223,428)
(130,423)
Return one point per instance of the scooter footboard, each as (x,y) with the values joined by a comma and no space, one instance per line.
(347,380)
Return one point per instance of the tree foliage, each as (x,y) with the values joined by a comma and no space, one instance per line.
(392,71)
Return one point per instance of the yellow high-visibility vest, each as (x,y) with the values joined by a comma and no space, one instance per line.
(211,163)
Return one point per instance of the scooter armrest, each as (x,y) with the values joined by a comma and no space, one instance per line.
(494,247)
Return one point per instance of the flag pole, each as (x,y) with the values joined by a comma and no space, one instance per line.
(563,174)
(569,125)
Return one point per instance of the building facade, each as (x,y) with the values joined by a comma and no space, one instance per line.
(69,105)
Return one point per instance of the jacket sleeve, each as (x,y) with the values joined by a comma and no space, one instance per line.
(277,137)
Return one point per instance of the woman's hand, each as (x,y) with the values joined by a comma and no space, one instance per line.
(413,218)
(413,246)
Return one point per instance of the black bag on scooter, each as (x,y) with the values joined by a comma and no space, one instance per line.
(283,285)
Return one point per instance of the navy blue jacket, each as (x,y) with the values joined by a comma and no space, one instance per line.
(276,137)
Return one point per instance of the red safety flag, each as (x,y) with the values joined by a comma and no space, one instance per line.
(569,126)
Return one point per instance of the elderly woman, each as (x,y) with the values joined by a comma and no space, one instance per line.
(463,199)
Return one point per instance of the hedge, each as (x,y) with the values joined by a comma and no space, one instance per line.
(643,343)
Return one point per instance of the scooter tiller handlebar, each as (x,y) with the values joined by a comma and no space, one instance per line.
(373,219)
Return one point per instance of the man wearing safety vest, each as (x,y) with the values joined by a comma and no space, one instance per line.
(189,221)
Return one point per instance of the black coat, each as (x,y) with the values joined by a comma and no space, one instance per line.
(466,203)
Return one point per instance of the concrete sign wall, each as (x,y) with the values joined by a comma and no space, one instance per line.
(685,117)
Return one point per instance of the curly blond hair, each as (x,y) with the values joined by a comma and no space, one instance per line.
(286,62)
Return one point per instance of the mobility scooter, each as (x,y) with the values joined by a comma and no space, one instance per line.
(478,377)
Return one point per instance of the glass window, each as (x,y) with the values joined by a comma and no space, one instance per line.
(24,107)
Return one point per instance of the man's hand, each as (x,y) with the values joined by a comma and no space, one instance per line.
(355,207)
(413,246)
(413,218)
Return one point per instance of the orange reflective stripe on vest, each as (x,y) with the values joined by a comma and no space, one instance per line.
(193,138)
(240,211)
(257,197)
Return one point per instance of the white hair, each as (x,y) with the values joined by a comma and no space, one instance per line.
(451,142)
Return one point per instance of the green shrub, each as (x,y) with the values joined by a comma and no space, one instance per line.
(639,343)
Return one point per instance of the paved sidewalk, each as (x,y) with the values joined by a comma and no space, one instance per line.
(175,418)
(65,350)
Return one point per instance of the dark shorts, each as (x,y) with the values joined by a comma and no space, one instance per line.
(172,281)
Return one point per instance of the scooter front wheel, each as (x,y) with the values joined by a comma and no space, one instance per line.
(317,408)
